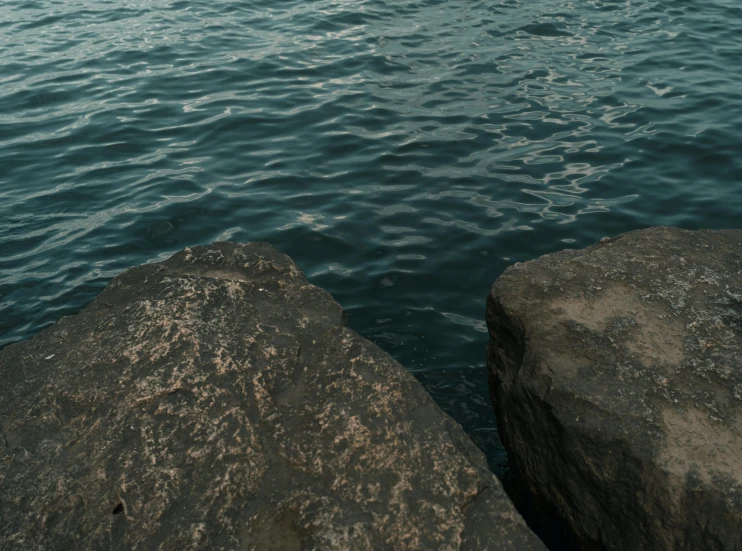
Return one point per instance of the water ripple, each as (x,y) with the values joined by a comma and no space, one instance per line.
(403,153)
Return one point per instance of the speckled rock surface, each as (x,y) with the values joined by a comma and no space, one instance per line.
(217,401)
(616,372)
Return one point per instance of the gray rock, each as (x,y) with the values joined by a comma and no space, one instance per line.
(217,401)
(616,372)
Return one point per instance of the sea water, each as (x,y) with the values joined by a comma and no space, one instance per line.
(404,153)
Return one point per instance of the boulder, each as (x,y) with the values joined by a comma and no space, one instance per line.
(616,374)
(216,400)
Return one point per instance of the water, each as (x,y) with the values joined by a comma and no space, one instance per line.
(403,153)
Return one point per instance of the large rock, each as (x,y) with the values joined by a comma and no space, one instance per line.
(616,372)
(217,401)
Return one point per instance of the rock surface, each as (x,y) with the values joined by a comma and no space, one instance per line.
(217,401)
(616,372)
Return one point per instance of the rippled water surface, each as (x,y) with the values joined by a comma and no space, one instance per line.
(403,153)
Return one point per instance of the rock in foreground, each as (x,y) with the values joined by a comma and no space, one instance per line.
(217,401)
(616,373)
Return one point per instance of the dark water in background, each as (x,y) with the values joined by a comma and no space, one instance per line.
(402,152)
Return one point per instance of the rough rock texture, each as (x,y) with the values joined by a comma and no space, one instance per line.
(616,372)
(217,401)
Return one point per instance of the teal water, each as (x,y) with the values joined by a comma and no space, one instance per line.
(403,153)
